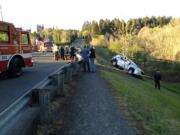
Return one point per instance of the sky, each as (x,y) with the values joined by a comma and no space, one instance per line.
(71,14)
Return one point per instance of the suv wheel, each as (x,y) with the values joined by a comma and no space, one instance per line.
(114,63)
(131,70)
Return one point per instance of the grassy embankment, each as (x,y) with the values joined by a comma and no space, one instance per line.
(153,112)
(151,48)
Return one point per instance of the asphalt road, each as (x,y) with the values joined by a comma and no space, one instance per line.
(79,43)
(12,88)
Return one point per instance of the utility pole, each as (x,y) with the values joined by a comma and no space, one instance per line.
(1,13)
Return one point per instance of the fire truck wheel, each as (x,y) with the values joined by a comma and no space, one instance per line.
(15,67)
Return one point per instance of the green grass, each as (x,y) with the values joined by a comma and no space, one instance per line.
(169,69)
(154,112)
(174,87)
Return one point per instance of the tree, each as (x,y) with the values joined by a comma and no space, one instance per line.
(65,37)
(56,34)
(123,27)
(104,26)
(86,26)
(94,28)
(101,26)
(145,21)
(116,27)
(128,26)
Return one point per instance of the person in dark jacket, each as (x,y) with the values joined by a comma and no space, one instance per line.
(157,78)
(62,52)
(72,53)
(85,59)
(92,56)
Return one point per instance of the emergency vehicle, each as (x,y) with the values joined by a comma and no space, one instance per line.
(47,46)
(15,49)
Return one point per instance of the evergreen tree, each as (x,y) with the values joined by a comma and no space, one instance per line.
(128,26)
(94,28)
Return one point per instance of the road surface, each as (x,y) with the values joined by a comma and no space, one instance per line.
(12,88)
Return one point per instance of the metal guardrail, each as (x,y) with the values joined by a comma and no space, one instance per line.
(12,110)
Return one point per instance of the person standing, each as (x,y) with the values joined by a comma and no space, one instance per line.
(66,53)
(62,52)
(92,57)
(72,53)
(56,56)
(85,59)
(157,78)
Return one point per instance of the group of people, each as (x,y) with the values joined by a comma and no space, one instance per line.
(64,52)
(88,57)
(87,53)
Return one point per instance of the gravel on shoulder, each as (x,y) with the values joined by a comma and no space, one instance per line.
(93,111)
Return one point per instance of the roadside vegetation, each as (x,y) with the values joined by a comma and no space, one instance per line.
(59,36)
(153,43)
(150,111)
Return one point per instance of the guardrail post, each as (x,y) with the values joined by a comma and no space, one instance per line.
(60,84)
(34,97)
(70,72)
(45,111)
(67,73)
(80,65)
(75,68)
(53,79)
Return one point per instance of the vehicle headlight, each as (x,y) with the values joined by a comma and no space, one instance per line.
(137,71)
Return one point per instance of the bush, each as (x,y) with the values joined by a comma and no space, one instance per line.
(99,40)
(162,43)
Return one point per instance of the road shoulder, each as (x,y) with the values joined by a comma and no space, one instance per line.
(93,110)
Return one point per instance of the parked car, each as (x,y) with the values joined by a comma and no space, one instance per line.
(123,62)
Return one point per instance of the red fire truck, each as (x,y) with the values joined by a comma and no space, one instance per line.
(15,49)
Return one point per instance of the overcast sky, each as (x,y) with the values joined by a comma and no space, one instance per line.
(67,14)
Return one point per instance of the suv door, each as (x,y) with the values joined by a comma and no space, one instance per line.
(120,62)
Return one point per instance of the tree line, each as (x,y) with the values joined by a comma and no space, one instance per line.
(117,27)
(59,36)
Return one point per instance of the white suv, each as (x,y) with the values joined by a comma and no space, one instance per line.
(124,63)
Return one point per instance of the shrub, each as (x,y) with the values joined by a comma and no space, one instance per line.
(99,40)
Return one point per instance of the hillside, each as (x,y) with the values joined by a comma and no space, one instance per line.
(151,111)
